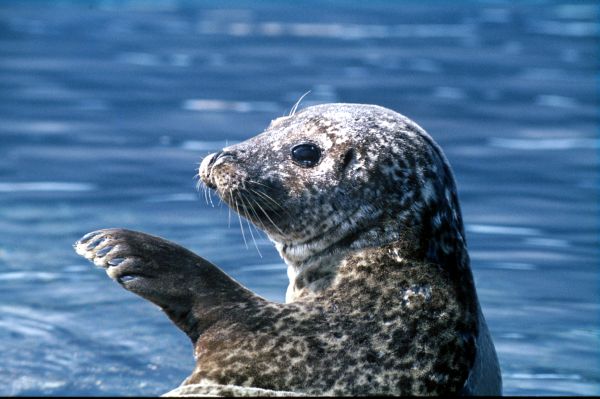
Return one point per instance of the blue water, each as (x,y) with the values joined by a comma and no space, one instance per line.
(107,107)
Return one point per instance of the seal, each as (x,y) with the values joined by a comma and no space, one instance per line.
(362,206)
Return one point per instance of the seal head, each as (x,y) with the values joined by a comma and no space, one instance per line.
(336,178)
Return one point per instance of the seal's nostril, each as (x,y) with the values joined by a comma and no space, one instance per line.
(225,154)
(213,158)
(221,157)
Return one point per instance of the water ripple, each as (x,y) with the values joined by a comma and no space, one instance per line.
(343,31)
(543,144)
(544,376)
(212,105)
(495,229)
(46,186)
(575,29)
(197,145)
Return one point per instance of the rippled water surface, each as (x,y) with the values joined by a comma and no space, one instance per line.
(106,108)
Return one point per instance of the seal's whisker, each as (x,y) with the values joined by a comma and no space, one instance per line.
(251,225)
(246,215)
(228,217)
(251,203)
(206,194)
(257,183)
(200,184)
(260,184)
(263,194)
(268,217)
(198,192)
(239,218)
(231,205)
(210,199)
(267,197)
(295,107)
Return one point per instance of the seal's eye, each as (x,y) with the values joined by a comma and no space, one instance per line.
(306,155)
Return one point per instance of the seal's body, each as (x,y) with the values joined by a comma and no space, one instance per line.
(361,204)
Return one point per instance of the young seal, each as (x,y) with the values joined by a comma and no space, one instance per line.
(362,206)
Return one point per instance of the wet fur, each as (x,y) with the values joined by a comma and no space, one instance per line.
(381,297)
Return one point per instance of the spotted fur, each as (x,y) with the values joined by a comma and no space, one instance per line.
(381,297)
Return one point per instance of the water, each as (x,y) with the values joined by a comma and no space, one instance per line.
(106,109)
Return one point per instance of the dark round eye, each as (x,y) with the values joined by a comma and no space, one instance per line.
(306,155)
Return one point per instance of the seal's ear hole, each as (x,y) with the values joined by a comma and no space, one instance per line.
(348,157)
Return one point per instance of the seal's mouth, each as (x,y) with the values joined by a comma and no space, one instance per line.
(252,197)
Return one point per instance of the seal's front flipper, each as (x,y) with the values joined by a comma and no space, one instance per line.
(193,292)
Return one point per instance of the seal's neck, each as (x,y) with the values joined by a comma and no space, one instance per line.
(313,265)
(434,235)
(312,275)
